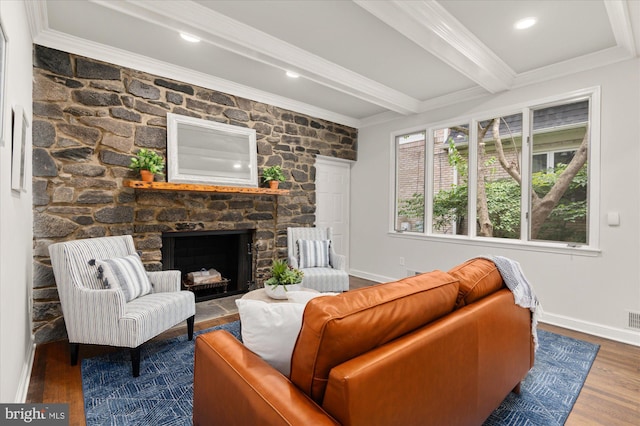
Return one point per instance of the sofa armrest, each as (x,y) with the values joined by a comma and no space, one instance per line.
(292,261)
(234,386)
(165,281)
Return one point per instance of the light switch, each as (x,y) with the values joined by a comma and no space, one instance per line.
(613,218)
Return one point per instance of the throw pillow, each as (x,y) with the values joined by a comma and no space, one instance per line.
(270,330)
(313,253)
(127,273)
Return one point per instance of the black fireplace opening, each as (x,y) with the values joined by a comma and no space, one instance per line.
(229,252)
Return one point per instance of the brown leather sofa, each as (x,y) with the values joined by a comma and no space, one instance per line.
(435,349)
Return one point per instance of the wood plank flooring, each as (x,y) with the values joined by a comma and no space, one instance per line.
(610,396)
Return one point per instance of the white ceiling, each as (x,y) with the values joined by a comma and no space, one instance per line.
(360,62)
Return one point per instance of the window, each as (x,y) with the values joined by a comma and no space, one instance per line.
(548,161)
(410,156)
(450,180)
(559,210)
(499,156)
(521,176)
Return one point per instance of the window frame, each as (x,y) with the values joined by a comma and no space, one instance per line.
(592,248)
(393,204)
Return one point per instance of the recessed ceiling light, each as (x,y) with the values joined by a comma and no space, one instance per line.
(292,74)
(189,38)
(525,23)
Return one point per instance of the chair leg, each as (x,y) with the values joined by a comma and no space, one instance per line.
(74,349)
(135,361)
(517,388)
(190,321)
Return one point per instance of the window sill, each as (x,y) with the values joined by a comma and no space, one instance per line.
(500,243)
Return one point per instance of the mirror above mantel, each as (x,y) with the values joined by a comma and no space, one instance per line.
(211,153)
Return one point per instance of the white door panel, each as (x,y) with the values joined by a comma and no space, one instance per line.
(333,179)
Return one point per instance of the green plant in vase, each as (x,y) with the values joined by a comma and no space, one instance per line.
(282,276)
(148,163)
(273,175)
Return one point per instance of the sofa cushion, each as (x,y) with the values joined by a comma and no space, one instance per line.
(478,277)
(336,329)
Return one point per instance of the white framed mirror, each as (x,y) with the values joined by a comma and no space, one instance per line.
(206,152)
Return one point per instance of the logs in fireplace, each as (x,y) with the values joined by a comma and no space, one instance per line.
(229,252)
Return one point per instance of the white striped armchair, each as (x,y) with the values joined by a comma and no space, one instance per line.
(102,313)
(331,275)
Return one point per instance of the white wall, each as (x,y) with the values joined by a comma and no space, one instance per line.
(588,293)
(16,345)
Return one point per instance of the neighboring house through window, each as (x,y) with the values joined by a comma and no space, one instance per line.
(480,172)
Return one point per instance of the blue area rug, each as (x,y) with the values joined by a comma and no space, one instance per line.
(163,393)
(552,385)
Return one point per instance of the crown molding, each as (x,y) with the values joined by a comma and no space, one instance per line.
(429,105)
(37,17)
(620,20)
(434,29)
(381,118)
(57,40)
(453,98)
(241,39)
(572,66)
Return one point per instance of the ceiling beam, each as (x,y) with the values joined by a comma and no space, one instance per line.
(242,39)
(45,36)
(431,27)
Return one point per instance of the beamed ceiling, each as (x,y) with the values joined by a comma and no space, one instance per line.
(360,62)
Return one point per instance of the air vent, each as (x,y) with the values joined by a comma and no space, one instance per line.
(634,320)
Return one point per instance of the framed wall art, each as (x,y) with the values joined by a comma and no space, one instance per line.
(211,153)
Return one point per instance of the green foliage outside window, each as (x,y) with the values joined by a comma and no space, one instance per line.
(565,223)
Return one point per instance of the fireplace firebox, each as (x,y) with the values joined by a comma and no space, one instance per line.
(229,252)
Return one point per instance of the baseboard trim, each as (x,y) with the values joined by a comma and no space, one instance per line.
(25,377)
(371,277)
(612,333)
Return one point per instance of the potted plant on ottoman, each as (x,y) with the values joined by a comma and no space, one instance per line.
(148,163)
(273,175)
(283,278)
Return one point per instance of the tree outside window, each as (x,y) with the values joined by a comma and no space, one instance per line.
(557,181)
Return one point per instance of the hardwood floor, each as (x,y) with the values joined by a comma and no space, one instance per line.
(610,396)
(611,393)
(53,379)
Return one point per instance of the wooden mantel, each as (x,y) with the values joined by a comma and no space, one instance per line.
(169,186)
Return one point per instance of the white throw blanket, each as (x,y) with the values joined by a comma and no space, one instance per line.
(522,290)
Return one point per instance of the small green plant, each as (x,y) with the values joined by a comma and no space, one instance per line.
(283,274)
(273,173)
(147,160)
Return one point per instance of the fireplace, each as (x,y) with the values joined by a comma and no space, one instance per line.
(229,252)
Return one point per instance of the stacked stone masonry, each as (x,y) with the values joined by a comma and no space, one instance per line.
(90,118)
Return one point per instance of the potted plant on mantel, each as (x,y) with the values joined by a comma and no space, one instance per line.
(273,175)
(148,163)
(283,278)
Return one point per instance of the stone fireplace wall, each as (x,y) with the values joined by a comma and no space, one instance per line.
(90,118)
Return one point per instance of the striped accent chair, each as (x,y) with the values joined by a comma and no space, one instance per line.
(94,314)
(323,277)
